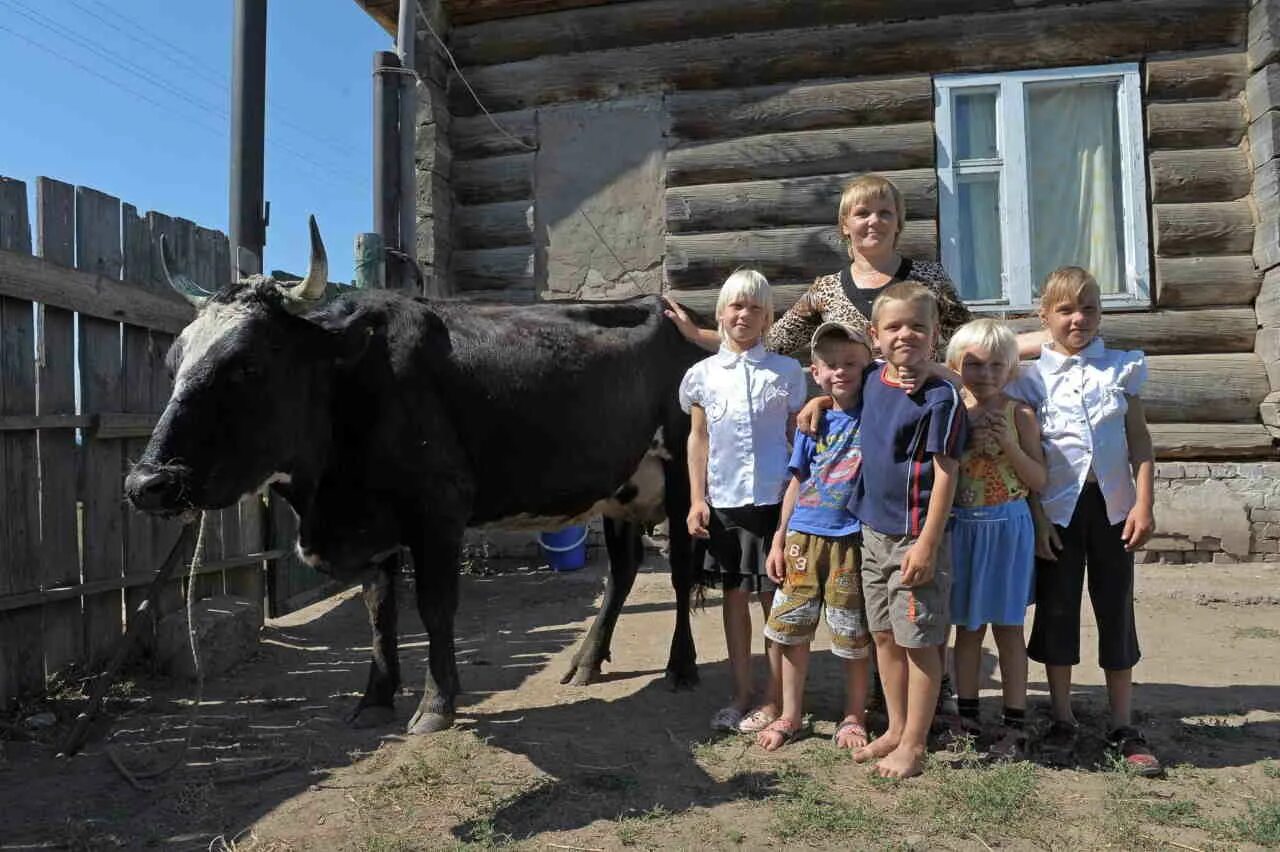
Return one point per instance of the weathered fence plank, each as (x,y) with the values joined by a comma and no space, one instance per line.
(55,376)
(98,250)
(21,646)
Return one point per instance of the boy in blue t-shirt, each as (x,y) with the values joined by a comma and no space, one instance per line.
(815,554)
(911,443)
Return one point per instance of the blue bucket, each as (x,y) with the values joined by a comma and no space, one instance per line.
(566,549)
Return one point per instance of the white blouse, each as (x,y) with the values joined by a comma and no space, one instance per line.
(748,398)
(1081,403)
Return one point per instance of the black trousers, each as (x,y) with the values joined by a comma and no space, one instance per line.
(1092,545)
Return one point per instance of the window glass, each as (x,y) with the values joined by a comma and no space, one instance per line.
(980,255)
(975,118)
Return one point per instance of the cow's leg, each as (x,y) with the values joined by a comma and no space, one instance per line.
(375,707)
(436,580)
(682,664)
(622,540)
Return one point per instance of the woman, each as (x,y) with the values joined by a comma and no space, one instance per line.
(871,217)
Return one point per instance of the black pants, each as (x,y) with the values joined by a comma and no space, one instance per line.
(1089,540)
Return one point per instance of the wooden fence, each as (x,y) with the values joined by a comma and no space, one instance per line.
(85,323)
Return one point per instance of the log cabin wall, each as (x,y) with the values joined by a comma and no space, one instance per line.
(771,105)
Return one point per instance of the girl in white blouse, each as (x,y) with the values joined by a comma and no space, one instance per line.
(743,401)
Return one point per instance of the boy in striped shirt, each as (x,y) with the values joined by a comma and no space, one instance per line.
(911,442)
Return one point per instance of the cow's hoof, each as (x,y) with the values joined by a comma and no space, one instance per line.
(581,674)
(680,681)
(372,716)
(430,723)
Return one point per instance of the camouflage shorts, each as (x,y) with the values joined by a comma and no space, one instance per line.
(823,575)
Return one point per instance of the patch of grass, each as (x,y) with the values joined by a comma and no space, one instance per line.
(1217,728)
(632,829)
(1256,633)
(1260,823)
(1271,768)
(991,801)
(385,843)
(1179,812)
(810,810)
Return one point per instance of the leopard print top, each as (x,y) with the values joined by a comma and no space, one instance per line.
(826,300)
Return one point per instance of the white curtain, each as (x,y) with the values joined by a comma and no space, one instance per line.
(979,198)
(1073,153)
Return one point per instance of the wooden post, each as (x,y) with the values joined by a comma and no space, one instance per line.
(386,150)
(406,36)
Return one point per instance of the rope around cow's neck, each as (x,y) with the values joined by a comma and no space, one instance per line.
(135,778)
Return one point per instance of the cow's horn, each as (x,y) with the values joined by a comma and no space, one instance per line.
(185,287)
(311,288)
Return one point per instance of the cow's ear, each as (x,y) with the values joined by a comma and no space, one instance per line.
(350,332)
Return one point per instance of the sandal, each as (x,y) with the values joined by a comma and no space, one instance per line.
(1058,748)
(756,721)
(787,729)
(1128,744)
(726,719)
(851,727)
(1009,747)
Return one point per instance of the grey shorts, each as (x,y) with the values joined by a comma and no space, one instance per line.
(919,616)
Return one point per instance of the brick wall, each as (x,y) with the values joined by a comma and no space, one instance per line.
(1216,512)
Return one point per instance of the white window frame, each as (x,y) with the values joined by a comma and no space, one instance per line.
(1015,215)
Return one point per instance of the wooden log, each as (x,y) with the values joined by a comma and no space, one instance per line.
(789,201)
(733,113)
(477,11)
(1264,33)
(1264,137)
(1208,441)
(806,152)
(656,21)
(1205,388)
(1189,282)
(1208,124)
(98,250)
(1162,332)
(506,178)
(1224,227)
(1217,76)
(1262,91)
(1268,302)
(1215,174)
(1027,38)
(475,136)
(504,223)
(59,545)
(784,255)
(509,268)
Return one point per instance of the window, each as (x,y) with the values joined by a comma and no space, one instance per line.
(1041,169)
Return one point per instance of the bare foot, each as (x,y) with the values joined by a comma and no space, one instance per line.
(778,733)
(903,762)
(876,749)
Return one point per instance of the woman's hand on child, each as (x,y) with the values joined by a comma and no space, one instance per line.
(810,417)
(699,519)
(775,565)
(676,313)
(917,565)
(1048,543)
(1138,527)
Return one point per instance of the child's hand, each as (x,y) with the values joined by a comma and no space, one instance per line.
(675,312)
(913,376)
(1138,527)
(699,519)
(1048,542)
(917,565)
(776,563)
(810,417)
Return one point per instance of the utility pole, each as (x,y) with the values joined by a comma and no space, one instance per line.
(248,220)
(406,35)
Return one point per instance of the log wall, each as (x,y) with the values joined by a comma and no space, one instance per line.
(773,105)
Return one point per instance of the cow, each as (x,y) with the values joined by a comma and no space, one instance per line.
(389,421)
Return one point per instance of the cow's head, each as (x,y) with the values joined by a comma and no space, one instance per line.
(250,393)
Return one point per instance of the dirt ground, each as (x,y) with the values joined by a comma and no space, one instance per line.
(533,764)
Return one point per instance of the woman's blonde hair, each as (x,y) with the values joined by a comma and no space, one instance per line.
(989,335)
(1066,284)
(746,284)
(863,189)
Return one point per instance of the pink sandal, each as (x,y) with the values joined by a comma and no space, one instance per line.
(756,721)
(852,726)
(790,732)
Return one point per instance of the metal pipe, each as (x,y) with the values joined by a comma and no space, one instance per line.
(406,35)
(248,135)
(386,147)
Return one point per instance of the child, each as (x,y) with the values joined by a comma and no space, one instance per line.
(815,555)
(1097,507)
(992,534)
(910,446)
(743,402)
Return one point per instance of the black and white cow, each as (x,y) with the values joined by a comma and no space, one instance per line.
(387,420)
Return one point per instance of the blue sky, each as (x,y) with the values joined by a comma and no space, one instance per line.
(155,131)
